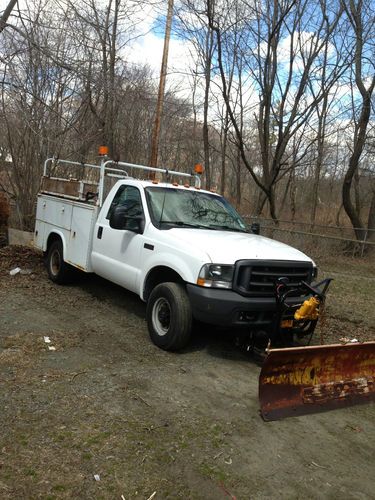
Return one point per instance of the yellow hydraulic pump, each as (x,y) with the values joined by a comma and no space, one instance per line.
(308,310)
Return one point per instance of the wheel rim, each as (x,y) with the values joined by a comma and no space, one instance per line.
(161,316)
(55,262)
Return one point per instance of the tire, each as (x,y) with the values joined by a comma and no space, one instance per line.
(169,316)
(58,270)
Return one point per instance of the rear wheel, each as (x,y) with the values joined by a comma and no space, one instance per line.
(169,316)
(58,270)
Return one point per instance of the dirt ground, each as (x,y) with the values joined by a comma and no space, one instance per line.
(149,423)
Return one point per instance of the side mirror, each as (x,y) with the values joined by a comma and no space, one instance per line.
(120,219)
(117,218)
(255,228)
(135,223)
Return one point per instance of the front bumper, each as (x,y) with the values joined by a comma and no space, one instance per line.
(228,308)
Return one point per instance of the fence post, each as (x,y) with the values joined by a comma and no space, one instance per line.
(364,243)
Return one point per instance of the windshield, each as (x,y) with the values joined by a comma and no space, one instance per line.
(182,208)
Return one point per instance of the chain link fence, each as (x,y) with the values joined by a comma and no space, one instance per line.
(317,238)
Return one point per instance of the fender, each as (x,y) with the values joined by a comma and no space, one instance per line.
(187,271)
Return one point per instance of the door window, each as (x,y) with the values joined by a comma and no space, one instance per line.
(129,198)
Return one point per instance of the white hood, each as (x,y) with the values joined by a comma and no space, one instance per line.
(226,247)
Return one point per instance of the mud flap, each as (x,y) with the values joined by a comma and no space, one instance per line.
(303,380)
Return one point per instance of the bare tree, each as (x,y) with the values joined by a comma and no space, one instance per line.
(285,105)
(191,26)
(36,108)
(360,15)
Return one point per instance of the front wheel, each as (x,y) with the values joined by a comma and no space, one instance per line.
(169,316)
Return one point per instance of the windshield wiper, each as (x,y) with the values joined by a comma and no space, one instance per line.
(228,228)
(180,223)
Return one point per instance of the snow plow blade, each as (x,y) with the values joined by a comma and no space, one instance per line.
(303,380)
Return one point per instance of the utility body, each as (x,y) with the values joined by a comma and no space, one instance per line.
(185,251)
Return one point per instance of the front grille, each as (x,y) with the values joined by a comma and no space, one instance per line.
(257,278)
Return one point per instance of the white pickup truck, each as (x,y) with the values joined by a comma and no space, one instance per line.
(183,250)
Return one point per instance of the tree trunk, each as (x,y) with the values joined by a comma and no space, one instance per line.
(224,153)
(371,219)
(238,180)
(355,13)
(7,12)
(262,198)
(283,201)
(293,192)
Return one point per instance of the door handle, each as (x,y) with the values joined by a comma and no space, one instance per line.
(100,232)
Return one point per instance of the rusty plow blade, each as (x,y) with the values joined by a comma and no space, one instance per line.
(303,380)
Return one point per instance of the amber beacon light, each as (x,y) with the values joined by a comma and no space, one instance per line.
(198,168)
(103,150)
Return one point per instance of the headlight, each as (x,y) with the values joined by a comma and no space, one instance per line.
(216,276)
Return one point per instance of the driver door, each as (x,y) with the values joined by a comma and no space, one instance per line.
(116,252)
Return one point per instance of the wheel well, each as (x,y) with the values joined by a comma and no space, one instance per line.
(51,238)
(160,274)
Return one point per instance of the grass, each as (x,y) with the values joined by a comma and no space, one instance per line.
(351,294)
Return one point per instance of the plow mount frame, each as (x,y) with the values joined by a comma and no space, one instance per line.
(281,336)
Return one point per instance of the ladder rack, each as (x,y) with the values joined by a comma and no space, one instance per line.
(105,169)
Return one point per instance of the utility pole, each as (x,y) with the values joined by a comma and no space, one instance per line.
(163,74)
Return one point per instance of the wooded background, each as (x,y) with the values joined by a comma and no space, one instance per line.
(280,109)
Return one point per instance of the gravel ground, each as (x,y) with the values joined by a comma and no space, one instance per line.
(107,402)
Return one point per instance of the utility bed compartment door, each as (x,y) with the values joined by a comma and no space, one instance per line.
(55,212)
(73,221)
(39,237)
(80,243)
